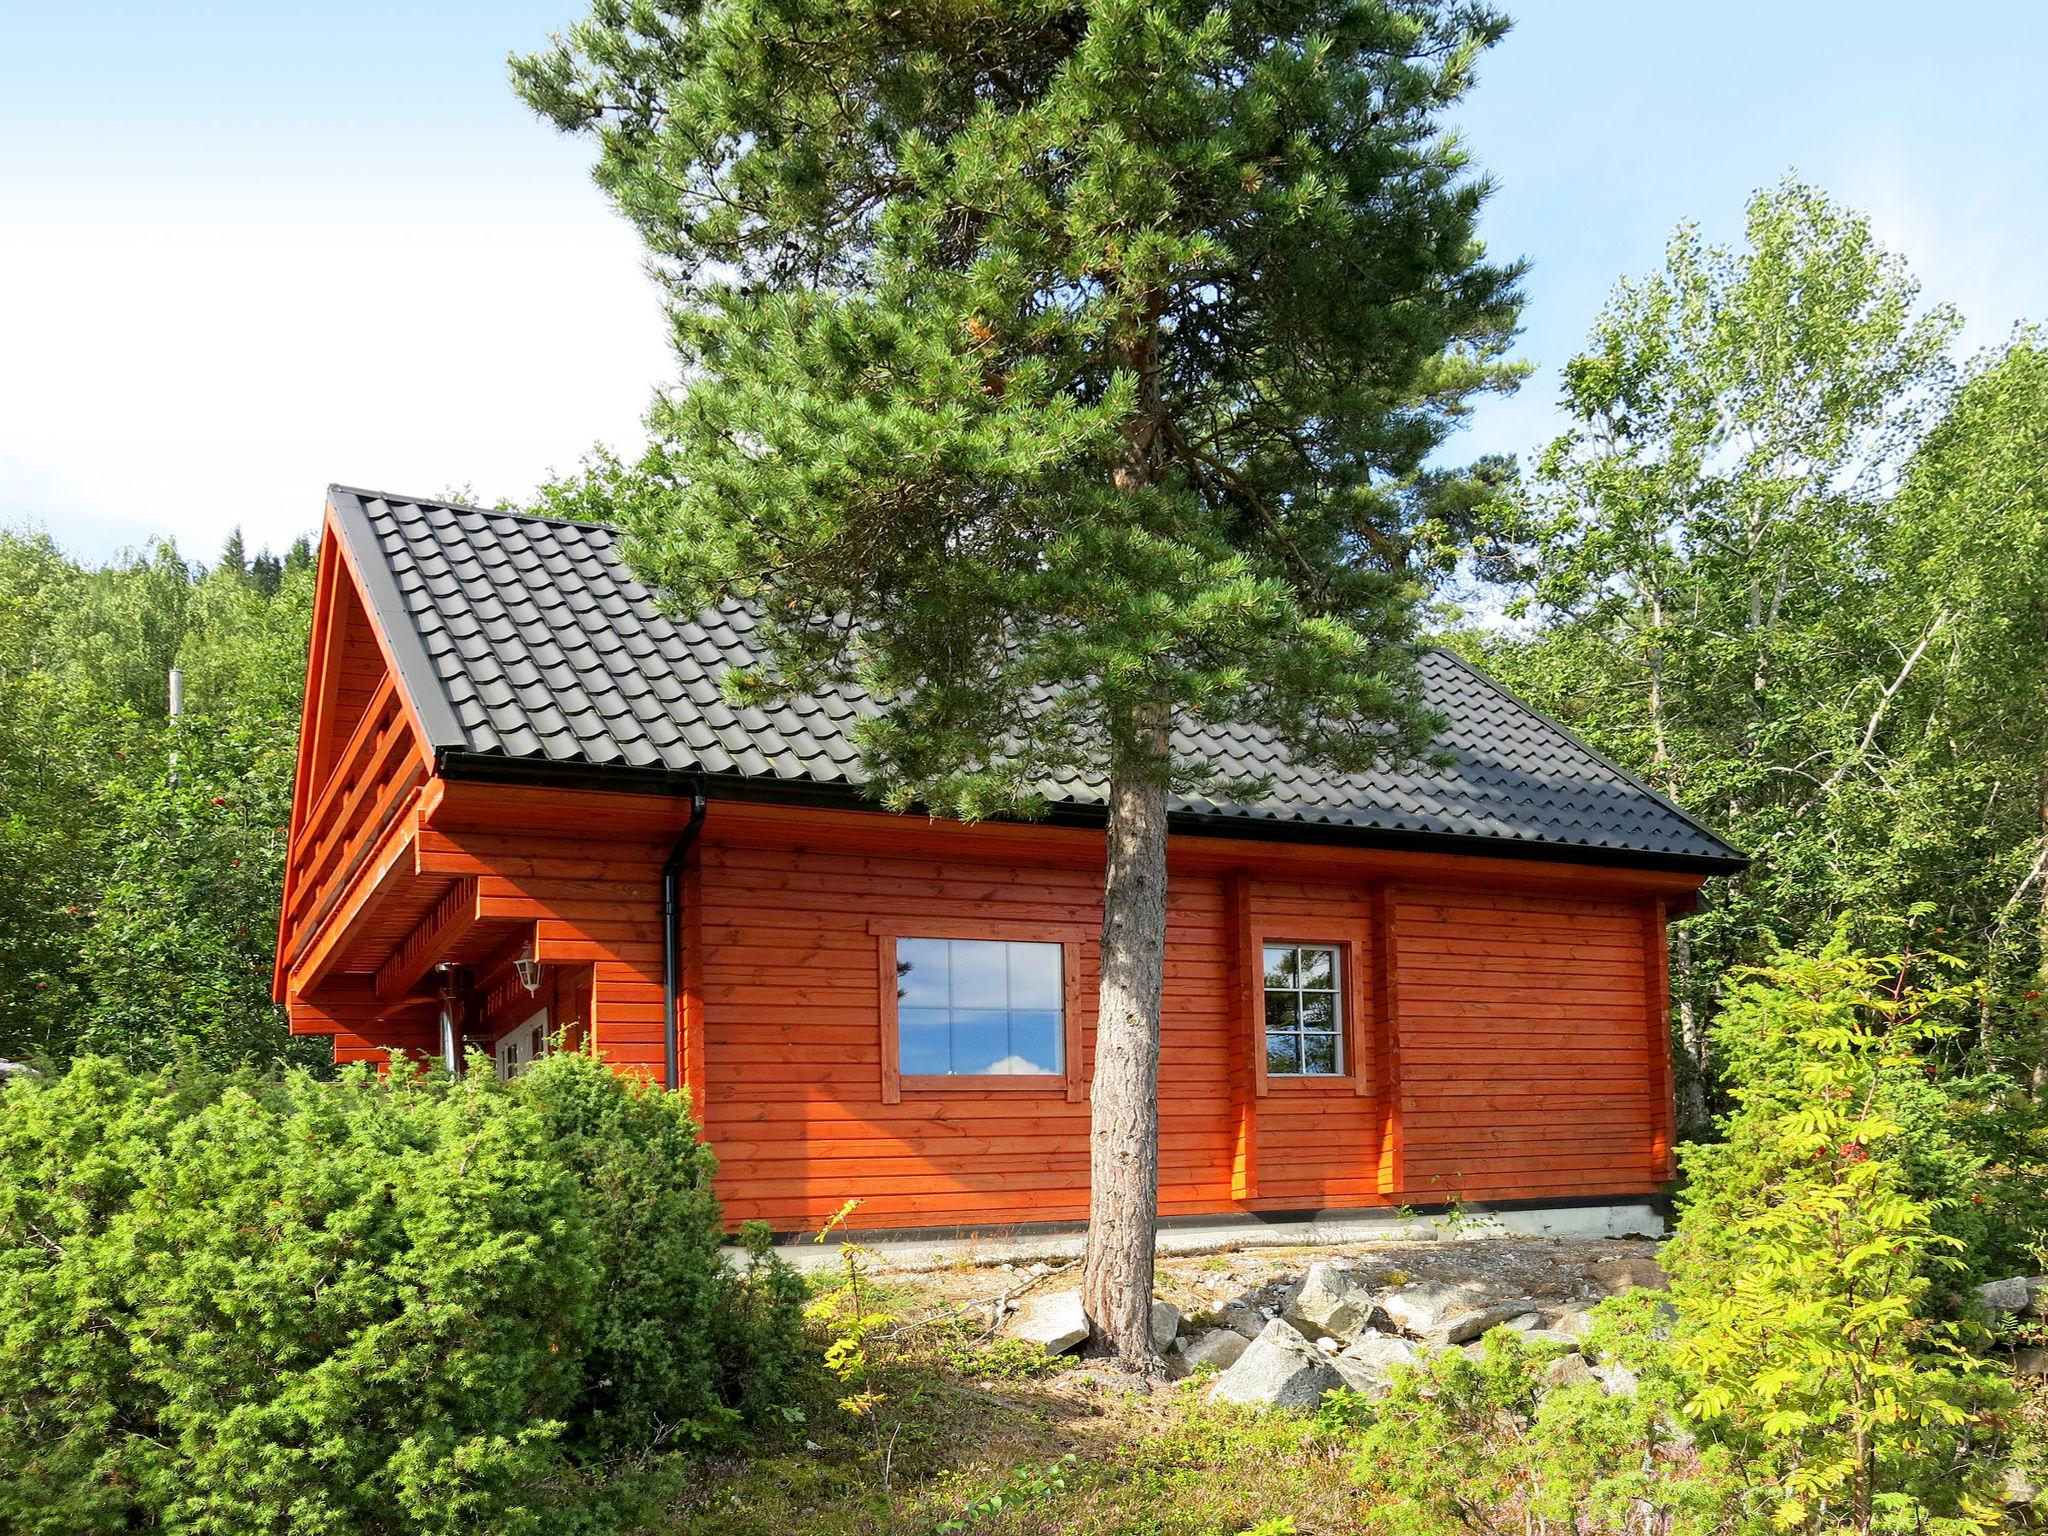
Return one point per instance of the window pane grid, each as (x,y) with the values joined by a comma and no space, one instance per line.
(1304,1013)
(979,1008)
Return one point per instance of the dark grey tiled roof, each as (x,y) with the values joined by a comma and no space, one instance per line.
(525,639)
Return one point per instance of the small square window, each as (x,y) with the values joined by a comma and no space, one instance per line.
(979,1008)
(1304,1011)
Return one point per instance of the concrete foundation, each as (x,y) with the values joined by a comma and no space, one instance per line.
(913,1251)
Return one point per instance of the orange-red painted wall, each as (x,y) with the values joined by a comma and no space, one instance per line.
(1506,1018)
(1523,1036)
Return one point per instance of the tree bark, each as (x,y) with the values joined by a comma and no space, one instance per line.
(2037,1078)
(1688,1034)
(1694,1120)
(1123,1163)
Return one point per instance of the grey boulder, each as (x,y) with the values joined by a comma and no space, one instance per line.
(1331,1303)
(1219,1347)
(2008,1297)
(1242,1316)
(1617,1380)
(1448,1314)
(1165,1325)
(1053,1321)
(1569,1371)
(1280,1369)
(1367,1366)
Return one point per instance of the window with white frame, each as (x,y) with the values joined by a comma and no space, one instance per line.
(519,1048)
(979,1008)
(1304,1011)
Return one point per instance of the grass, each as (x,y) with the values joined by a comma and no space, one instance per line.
(979,1437)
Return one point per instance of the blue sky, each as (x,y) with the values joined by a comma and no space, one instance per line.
(248,249)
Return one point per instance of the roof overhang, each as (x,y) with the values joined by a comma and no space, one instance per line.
(480,767)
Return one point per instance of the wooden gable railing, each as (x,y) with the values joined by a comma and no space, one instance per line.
(373,779)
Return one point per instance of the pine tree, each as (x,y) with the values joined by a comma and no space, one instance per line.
(1061,374)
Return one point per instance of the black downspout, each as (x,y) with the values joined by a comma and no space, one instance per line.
(671,958)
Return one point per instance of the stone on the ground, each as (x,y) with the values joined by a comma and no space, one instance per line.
(2007,1297)
(1568,1371)
(1219,1347)
(1617,1277)
(1367,1364)
(1053,1320)
(2018,1487)
(1448,1314)
(1576,1321)
(2037,1296)
(1617,1380)
(1165,1325)
(1331,1303)
(2030,1362)
(1241,1315)
(1441,1313)
(1550,1336)
(1280,1368)
(1525,1322)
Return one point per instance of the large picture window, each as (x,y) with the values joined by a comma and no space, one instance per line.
(1304,1010)
(979,1008)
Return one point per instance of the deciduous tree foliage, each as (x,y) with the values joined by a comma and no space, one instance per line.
(138,907)
(1061,374)
(1733,595)
(1817,1245)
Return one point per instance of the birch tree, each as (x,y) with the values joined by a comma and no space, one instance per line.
(1703,535)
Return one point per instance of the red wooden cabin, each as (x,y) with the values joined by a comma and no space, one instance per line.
(524,813)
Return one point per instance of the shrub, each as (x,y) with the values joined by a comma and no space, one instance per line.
(1480,1445)
(237,1305)
(1811,1268)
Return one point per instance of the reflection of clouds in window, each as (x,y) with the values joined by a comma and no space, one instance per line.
(1304,1016)
(978,1007)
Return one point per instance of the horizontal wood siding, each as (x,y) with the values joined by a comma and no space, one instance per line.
(592,901)
(1522,1037)
(1505,1036)
(1526,1064)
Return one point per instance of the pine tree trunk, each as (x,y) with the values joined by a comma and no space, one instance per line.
(1123,1167)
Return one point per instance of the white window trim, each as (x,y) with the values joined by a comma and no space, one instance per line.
(1338,990)
(509,1045)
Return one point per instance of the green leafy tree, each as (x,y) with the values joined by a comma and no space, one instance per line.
(1061,375)
(138,906)
(1811,1263)
(1964,751)
(62,735)
(1703,541)
(184,921)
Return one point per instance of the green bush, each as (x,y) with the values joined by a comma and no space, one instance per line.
(1481,1445)
(1818,1249)
(237,1305)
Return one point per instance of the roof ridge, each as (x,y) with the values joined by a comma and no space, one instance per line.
(365,494)
(1572,736)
